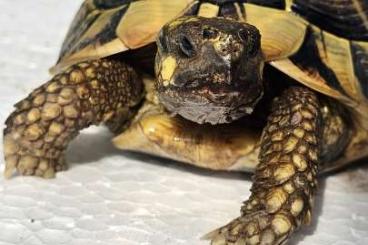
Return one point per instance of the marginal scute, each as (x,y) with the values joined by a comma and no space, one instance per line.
(92,35)
(278,40)
(154,14)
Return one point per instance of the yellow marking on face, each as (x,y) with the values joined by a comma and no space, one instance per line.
(208,10)
(167,69)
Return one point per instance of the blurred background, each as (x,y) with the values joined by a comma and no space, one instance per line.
(112,197)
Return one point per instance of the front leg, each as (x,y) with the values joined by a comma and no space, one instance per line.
(39,130)
(285,179)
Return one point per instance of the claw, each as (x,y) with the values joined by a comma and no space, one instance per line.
(9,171)
(212,235)
(252,229)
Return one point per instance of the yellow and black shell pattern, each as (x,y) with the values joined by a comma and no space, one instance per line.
(333,58)
(105,27)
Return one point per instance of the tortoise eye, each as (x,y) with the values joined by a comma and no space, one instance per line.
(251,40)
(186,46)
(209,33)
(244,34)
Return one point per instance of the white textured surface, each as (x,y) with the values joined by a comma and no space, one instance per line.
(110,197)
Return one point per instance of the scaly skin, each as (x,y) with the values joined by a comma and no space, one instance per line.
(39,130)
(285,180)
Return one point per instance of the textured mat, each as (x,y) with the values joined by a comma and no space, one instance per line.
(111,197)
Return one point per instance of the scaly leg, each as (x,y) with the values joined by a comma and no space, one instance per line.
(39,130)
(285,180)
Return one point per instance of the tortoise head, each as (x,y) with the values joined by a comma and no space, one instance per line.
(209,70)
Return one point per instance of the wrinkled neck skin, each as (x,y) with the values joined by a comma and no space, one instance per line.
(209,70)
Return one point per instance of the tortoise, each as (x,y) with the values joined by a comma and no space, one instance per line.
(278,88)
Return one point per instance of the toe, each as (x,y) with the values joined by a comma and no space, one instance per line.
(258,228)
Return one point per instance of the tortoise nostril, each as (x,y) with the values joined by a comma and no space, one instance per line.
(186,46)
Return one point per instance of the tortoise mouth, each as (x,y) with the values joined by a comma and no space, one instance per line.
(207,105)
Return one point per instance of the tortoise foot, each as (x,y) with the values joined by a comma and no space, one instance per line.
(258,228)
(29,164)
